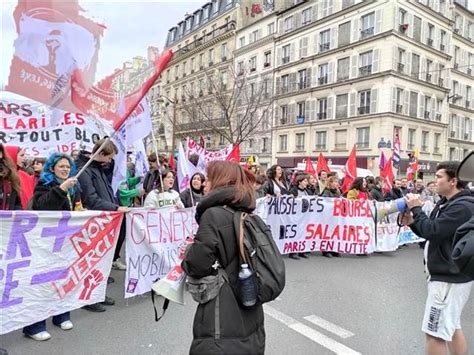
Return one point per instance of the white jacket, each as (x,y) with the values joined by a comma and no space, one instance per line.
(156,199)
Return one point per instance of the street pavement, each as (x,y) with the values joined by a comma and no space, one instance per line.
(348,305)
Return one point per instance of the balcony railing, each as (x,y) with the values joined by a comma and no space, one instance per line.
(400,67)
(366,70)
(428,78)
(429,42)
(440,82)
(399,108)
(285,60)
(229,26)
(196,126)
(363,110)
(324,47)
(427,115)
(362,144)
(366,33)
(322,115)
(323,80)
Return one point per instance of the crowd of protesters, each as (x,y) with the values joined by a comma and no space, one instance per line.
(49,183)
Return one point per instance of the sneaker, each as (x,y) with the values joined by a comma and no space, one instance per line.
(304,255)
(294,256)
(110,280)
(108,301)
(66,325)
(118,265)
(96,307)
(41,336)
(327,254)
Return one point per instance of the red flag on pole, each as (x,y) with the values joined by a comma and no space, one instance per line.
(387,174)
(350,171)
(309,167)
(171,162)
(234,154)
(322,164)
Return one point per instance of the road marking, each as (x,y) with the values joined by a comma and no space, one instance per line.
(308,332)
(330,327)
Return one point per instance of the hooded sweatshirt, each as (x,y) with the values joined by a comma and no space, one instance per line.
(27,181)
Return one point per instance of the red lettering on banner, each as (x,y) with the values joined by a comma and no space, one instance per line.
(346,208)
(138,235)
(294,247)
(350,233)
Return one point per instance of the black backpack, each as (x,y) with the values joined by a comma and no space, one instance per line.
(260,252)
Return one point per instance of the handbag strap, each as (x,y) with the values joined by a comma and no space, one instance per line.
(239,233)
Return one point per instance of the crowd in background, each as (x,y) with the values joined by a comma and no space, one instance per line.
(49,183)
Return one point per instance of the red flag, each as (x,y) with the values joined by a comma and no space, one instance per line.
(322,164)
(234,155)
(309,167)
(350,171)
(387,174)
(171,162)
(86,99)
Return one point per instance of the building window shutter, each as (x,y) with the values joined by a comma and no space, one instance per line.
(406,105)
(355,30)
(307,110)
(330,108)
(333,37)
(375,61)
(408,57)
(313,109)
(316,44)
(433,107)
(330,6)
(308,77)
(421,104)
(410,24)
(330,72)
(354,66)
(373,100)
(292,113)
(394,100)
(292,52)
(435,73)
(315,12)
(279,53)
(314,78)
(353,103)
(378,21)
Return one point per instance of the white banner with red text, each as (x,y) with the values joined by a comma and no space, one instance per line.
(53,262)
(153,242)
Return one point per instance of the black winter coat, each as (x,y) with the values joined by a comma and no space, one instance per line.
(377,194)
(393,194)
(439,229)
(269,188)
(97,193)
(9,198)
(52,198)
(241,330)
(331,193)
(185,197)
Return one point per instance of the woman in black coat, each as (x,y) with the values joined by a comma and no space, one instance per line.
(56,191)
(236,330)
(191,196)
(9,183)
(331,190)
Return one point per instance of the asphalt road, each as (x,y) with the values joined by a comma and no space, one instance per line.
(368,305)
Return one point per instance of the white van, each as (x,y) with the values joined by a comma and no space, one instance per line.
(339,169)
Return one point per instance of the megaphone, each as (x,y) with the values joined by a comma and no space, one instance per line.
(383,209)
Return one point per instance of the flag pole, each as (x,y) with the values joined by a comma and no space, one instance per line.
(155,148)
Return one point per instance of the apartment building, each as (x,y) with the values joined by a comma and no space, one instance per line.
(355,72)
(461,101)
(254,59)
(203,44)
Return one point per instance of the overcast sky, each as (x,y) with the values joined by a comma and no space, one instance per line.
(132,26)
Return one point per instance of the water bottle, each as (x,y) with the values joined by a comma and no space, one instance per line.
(248,286)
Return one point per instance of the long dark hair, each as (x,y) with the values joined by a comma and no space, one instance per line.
(271,173)
(223,173)
(358,184)
(8,171)
(158,180)
(203,179)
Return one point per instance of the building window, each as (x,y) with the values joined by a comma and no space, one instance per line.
(442,41)
(402,17)
(321,140)
(365,62)
(224,51)
(417,28)
(271,28)
(201,61)
(211,56)
(452,153)
(325,41)
(307,15)
(437,139)
(424,140)
(429,40)
(240,68)
(343,69)
(283,143)
(411,138)
(288,24)
(322,109)
(242,42)
(253,64)
(341,139)
(267,59)
(368,22)
(344,34)
(363,137)
(253,37)
(415,66)
(323,74)
(286,54)
(429,67)
(364,102)
(300,106)
(285,81)
(457,52)
(302,79)
(342,105)
(265,145)
(413,104)
(398,101)
(284,114)
(300,141)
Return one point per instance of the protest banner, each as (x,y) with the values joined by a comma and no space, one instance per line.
(390,236)
(308,224)
(53,262)
(40,129)
(154,238)
(208,156)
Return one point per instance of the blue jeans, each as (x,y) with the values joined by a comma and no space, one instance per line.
(41,325)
